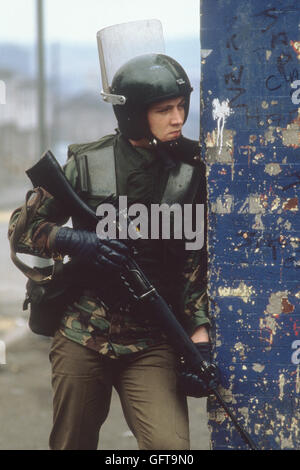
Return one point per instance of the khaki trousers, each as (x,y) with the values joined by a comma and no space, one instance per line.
(82,381)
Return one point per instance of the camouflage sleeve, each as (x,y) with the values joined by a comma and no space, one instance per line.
(195,296)
(48,217)
(195,274)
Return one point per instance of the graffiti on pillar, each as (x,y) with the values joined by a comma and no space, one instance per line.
(277,50)
(220,112)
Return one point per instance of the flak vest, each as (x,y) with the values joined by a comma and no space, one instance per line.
(97,177)
(98,183)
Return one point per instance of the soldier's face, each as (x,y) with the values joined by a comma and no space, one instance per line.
(166,118)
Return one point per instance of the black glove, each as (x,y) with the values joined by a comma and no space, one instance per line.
(196,383)
(91,250)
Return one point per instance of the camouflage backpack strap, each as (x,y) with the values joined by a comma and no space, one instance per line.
(33,201)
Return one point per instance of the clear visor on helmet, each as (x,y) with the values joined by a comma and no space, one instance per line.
(119,43)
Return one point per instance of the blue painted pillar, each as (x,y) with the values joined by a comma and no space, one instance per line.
(251,137)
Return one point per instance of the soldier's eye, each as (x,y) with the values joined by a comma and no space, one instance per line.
(163,110)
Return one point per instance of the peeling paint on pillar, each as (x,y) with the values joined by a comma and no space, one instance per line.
(251,55)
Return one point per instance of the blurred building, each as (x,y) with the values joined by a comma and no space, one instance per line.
(18,124)
(86,117)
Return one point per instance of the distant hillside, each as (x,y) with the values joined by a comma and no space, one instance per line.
(18,59)
(73,64)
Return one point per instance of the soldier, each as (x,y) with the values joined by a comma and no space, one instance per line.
(104,340)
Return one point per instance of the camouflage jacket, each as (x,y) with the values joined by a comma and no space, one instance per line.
(88,320)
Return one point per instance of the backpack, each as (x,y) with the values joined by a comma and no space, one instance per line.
(47,292)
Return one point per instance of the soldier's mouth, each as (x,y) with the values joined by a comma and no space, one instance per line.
(175,133)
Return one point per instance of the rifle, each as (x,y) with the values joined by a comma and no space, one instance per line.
(48,174)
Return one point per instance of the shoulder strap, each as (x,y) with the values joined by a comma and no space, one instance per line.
(83,173)
(28,210)
(97,171)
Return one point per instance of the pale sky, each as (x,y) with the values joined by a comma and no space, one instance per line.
(79,20)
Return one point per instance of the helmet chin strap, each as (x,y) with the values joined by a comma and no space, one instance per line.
(165,150)
(182,149)
(156,143)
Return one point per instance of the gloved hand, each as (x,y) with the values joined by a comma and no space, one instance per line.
(89,249)
(194,383)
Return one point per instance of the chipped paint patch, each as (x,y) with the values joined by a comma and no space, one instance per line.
(260,203)
(252,205)
(278,304)
(269,137)
(258,156)
(213,155)
(295,242)
(256,205)
(258,223)
(244,411)
(218,415)
(275,204)
(257,429)
(240,348)
(243,291)
(268,324)
(289,429)
(296,46)
(297,388)
(274,306)
(210,140)
(291,137)
(291,204)
(291,134)
(281,386)
(258,367)
(223,204)
(268,54)
(273,169)
(287,307)
(205,53)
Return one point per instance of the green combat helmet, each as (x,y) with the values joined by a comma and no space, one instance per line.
(142,81)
